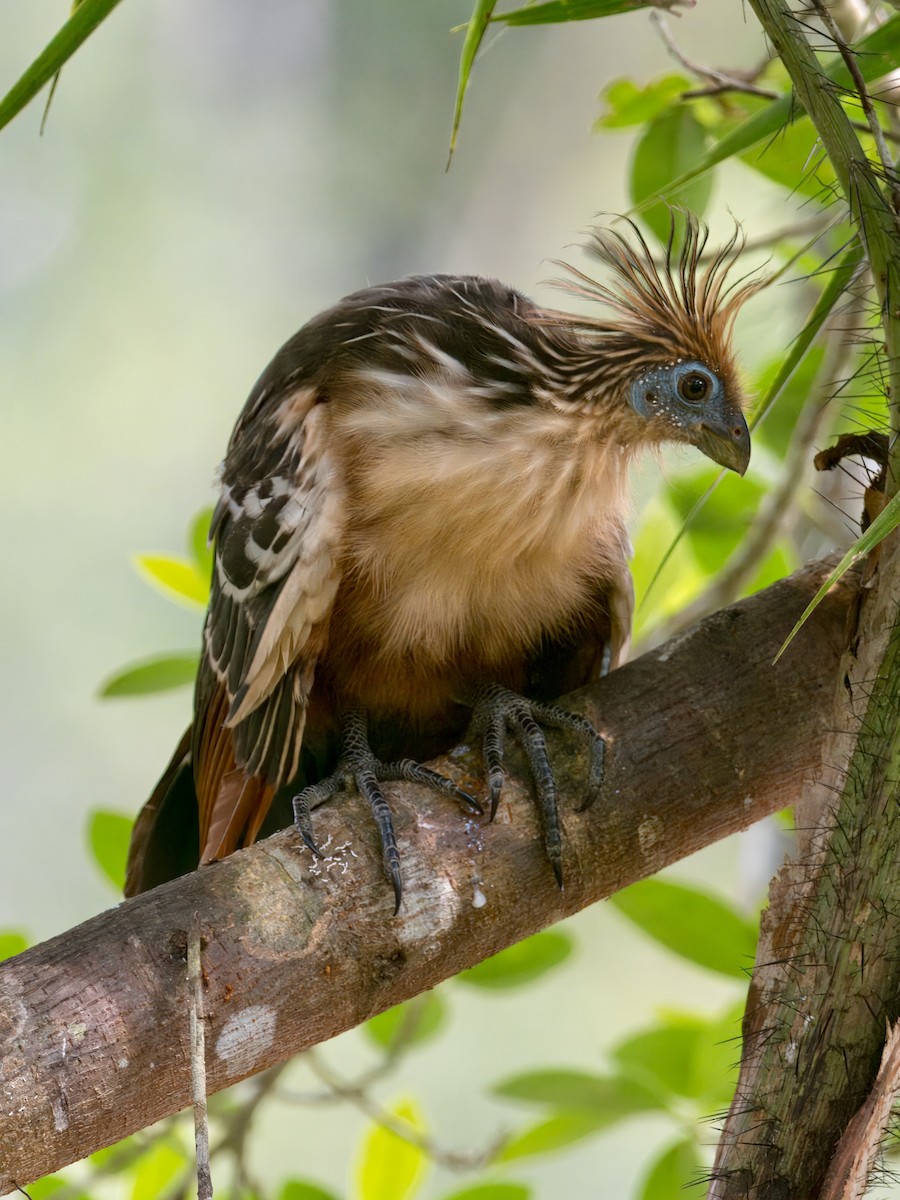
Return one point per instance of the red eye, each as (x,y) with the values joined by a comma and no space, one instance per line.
(694,387)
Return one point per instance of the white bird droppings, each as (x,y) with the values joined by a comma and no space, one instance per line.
(246,1036)
(479,899)
(60,1114)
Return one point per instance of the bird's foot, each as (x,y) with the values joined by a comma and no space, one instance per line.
(359,769)
(498,711)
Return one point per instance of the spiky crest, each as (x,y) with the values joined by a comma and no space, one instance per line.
(658,312)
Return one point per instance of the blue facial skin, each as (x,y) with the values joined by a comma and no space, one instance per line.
(691,397)
(661,392)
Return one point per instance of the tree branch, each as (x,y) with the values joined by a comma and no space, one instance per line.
(706,737)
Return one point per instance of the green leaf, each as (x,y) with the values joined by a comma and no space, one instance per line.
(40,1189)
(407,1024)
(560,1130)
(627,104)
(778,427)
(777,565)
(520,963)
(475,31)
(666,1055)
(80,25)
(159,674)
(492,1191)
(574,10)
(789,159)
(177,578)
(670,145)
(839,279)
(301,1189)
(109,834)
(717,1058)
(672,1172)
(717,527)
(886,521)
(876,54)
(12,943)
(691,923)
(609,1097)
(156,1169)
(391,1168)
(688,1056)
(200,550)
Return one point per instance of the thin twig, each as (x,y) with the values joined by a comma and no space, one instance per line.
(198,1064)
(721,81)
(888,134)
(819,225)
(729,86)
(887,167)
(455,1160)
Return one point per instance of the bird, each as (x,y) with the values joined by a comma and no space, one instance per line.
(421,529)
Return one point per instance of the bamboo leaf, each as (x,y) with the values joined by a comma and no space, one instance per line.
(884,523)
(557,11)
(475,31)
(80,25)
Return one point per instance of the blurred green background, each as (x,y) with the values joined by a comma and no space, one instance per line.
(211,176)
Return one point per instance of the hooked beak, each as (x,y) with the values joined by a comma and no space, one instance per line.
(725,438)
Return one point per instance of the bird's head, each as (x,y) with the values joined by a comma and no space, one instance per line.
(658,366)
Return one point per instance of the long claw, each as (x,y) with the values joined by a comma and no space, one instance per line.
(535,747)
(415,772)
(358,767)
(390,853)
(302,819)
(497,710)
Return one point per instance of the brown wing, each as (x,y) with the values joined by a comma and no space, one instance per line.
(164,837)
(277,531)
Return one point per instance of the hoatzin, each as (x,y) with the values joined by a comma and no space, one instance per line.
(421,521)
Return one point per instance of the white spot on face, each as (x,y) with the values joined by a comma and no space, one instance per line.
(245,1037)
